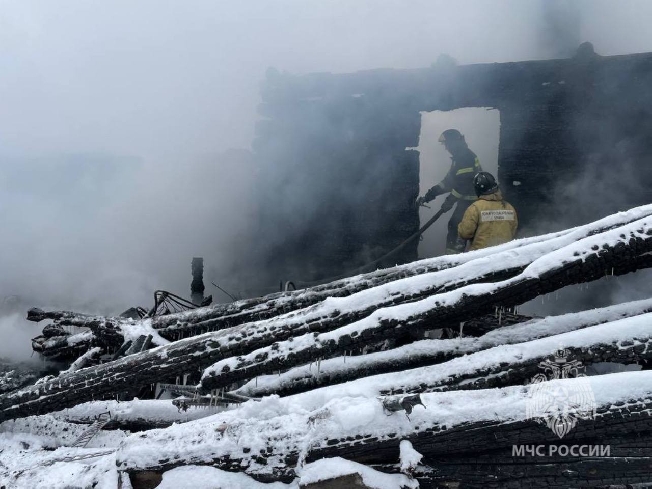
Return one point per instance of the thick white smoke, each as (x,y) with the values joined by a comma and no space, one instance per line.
(118,118)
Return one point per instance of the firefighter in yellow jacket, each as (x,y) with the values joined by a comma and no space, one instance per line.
(490,220)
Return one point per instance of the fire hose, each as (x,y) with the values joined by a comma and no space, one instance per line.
(445,207)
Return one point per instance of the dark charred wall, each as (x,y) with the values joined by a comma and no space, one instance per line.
(336,182)
(574,138)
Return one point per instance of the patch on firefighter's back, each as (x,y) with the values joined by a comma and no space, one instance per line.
(498,215)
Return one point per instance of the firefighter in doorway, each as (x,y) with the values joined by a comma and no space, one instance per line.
(458,182)
(490,220)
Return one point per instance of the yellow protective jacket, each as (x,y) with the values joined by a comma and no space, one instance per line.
(489,221)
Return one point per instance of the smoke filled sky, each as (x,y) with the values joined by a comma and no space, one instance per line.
(174,79)
(115,116)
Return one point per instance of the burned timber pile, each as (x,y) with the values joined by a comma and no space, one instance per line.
(432,352)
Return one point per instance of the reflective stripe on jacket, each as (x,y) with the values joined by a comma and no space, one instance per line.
(459,179)
(489,221)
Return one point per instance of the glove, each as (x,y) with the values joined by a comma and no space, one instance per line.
(448,204)
(433,193)
(460,245)
(420,201)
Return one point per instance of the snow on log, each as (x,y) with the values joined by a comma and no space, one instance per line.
(268,439)
(136,415)
(625,340)
(272,305)
(429,352)
(61,347)
(621,250)
(112,332)
(345,295)
(91,357)
(108,333)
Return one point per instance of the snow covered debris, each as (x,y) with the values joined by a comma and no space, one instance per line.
(332,468)
(410,458)
(53,432)
(62,468)
(199,477)
(138,409)
(142,328)
(280,426)
(269,439)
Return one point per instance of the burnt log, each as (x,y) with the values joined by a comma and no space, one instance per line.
(63,347)
(142,343)
(495,424)
(174,327)
(52,330)
(624,470)
(108,332)
(584,261)
(122,350)
(432,352)
(105,331)
(136,415)
(587,260)
(135,424)
(37,315)
(101,326)
(512,366)
(623,347)
(91,357)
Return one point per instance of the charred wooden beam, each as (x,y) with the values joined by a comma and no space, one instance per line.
(91,357)
(630,351)
(36,315)
(625,469)
(63,347)
(623,424)
(432,352)
(509,372)
(438,311)
(623,253)
(270,306)
(136,423)
(625,429)
(108,332)
(625,341)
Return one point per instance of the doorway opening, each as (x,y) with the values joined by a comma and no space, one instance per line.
(481,129)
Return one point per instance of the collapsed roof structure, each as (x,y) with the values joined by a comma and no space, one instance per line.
(429,356)
(358,374)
